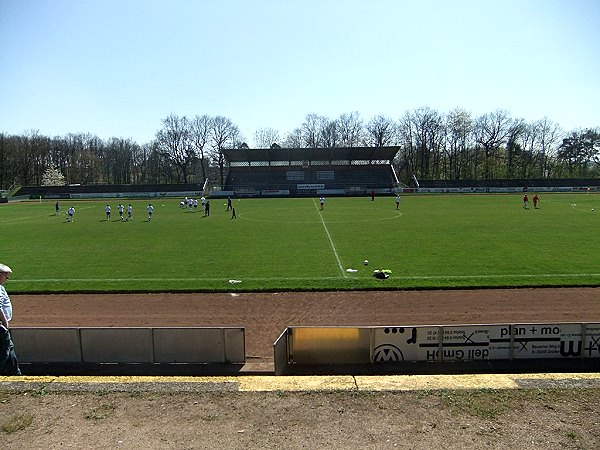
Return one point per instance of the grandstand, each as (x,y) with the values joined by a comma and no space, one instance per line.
(301,172)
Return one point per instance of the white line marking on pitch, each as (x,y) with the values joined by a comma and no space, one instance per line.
(96,280)
(337,257)
(414,277)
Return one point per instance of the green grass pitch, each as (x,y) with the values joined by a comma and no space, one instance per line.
(433,241)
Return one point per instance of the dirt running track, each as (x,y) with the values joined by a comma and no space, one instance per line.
(265,315)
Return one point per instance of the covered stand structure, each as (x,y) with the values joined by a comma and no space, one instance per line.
(309,171)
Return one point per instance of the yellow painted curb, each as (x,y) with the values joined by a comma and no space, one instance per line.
(307,383)
(428,382)
(297,383)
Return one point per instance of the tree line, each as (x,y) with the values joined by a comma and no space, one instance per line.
(432,145)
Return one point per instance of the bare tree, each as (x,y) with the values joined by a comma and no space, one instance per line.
(430,131)
(351,129)
(139,158)
(518,152)
(120,156)
(459,127)
(27,160)
(536,141)
(174,144)
(549,133)
(311,130)
(422,137)
(80,157)
(4,152)
(491,132)
(380,131)
(94,162)
(200,135)
(265,137)
(580,149)
(294,139)
(329,133)
(158,168)
(224,134)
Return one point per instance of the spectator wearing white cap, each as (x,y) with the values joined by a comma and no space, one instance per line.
(8,358)
(5,305)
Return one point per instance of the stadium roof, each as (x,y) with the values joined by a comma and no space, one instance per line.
(311,154)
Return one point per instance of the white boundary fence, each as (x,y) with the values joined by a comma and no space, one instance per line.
(497,190)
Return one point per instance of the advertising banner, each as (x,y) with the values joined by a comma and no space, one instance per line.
(310,186)
(485,342)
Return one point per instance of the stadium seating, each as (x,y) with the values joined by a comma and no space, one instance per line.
(345,170)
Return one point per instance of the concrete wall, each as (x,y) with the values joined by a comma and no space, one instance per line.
(130,345)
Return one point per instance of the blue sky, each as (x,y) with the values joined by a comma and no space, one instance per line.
(116,68)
